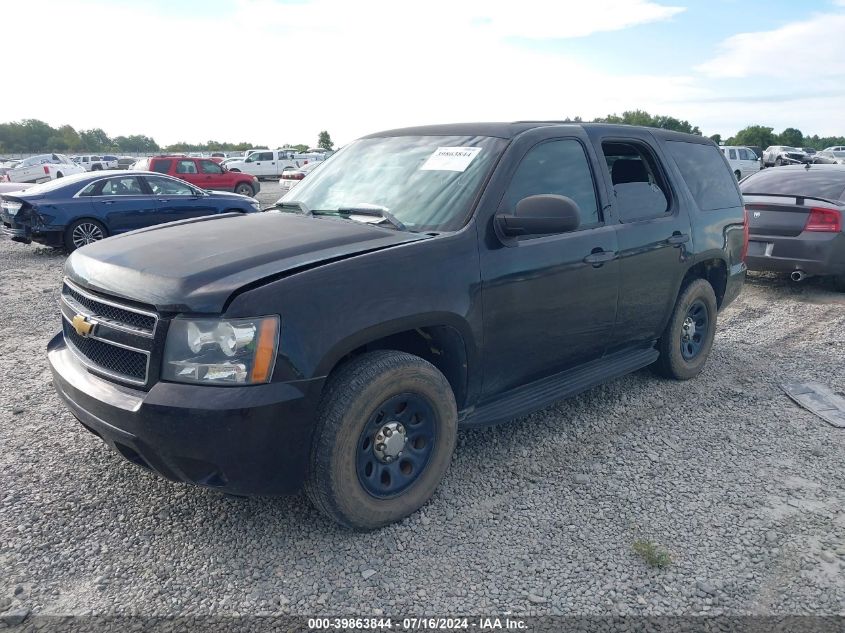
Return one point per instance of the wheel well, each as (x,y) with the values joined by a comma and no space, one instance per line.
(440,345)
(714,271)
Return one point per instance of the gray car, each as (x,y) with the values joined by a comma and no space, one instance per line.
(795,221)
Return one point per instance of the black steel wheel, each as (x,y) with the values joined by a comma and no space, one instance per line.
(688,338)
(385,433)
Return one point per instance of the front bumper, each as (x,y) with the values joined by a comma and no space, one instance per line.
(814,253)
(242,440)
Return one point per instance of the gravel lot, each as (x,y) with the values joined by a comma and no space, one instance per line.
(743,488)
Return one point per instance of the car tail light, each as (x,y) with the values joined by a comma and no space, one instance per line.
(824,220)
(46,170)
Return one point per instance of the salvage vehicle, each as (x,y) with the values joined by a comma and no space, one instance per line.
(421,280)
(829,158)
(42,168)
(201,172)
(795,221)
(85,208)
(778,155)
(267,163)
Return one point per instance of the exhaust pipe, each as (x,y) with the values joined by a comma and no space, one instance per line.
(798,275)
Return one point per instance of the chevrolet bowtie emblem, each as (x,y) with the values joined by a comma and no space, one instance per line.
(83,326)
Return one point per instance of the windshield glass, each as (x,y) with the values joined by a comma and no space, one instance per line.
(427,182)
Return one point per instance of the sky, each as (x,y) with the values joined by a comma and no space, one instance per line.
(274,72)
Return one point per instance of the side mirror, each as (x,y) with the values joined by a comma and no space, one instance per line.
(539,215)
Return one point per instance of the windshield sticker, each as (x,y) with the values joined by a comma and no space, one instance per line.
(450,159)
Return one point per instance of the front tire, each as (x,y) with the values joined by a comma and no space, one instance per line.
(82,232)
(385,434)
(688,337)
(245,190)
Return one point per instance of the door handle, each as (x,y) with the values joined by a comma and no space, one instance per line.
(162,200)
(106,201)
(676,239)
(599,257)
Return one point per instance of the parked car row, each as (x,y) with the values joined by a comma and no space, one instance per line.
(41,168)
(87,207)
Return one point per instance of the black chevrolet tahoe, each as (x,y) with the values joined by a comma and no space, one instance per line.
(422,280)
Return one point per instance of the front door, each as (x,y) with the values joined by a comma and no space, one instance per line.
(212,176)
(177,200)
(549,301)
(123,204)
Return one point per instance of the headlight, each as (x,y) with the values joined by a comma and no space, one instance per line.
(255,204)
(221,351)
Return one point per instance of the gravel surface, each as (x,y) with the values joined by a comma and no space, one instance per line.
(739,486)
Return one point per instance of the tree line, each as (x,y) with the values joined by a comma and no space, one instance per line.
(32,136)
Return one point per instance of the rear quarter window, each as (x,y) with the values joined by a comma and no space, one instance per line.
(815,183)
(708,177)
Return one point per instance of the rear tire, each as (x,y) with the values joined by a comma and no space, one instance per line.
(245,189)
(738,175)
(59,174)
(360,475)
(688,337)
(82,232)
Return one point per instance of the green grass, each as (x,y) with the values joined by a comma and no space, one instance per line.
(652,554)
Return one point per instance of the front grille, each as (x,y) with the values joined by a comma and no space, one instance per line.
(119,361)
(108,312)
(121,339)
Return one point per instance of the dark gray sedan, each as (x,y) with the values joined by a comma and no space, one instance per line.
(795,221)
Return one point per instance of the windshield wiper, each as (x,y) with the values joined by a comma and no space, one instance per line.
(291,204)
(375,211)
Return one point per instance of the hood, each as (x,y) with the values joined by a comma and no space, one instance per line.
(196,265)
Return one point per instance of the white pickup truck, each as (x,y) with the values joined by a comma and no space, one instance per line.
(265,163)
(95,162)
(43,167)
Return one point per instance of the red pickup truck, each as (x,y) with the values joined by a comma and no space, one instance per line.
(202,172)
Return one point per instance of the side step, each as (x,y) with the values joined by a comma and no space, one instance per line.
(537,395)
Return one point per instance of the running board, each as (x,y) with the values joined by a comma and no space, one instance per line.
(537,395)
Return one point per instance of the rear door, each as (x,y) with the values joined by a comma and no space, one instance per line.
(177,200)
(186,169)
(654,234)
(122,203)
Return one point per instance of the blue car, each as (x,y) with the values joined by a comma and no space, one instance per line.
(76,210)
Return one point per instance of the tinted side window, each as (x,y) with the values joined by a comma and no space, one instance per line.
(733,154)
(186,167)
(558,167)
(639,186)
(125,186)
(210,167)
(169,186)
(708,178)
(162,166)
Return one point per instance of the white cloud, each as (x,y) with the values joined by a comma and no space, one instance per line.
(274,73)
(808,49)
